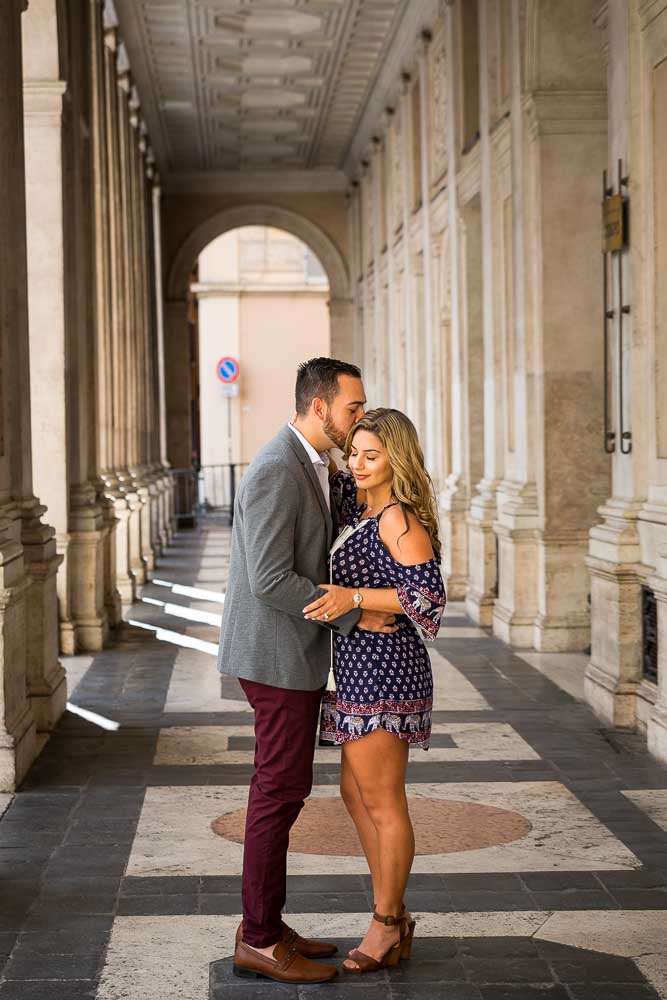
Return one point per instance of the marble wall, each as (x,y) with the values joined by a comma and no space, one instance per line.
(548,538)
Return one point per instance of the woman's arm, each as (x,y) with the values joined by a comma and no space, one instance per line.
(411,547)
(373,599)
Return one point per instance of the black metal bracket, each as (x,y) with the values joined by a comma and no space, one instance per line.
(609,314)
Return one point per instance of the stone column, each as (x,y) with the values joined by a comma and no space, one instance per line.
(354,333)
(617,553)
(142,473)
(32,682)
(482,562)
(166,513)
(455,496)
(392,331)
(103,310)
(411,355)
(137,491)
(119,485)
(433,422)
(517,527)
(59,332)
(43,92)
(379,362)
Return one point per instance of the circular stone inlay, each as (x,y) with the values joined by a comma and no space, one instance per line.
(442,826)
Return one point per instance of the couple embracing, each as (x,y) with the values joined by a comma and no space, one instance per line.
(325,560)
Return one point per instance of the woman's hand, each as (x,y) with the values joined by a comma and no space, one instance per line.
(336,602)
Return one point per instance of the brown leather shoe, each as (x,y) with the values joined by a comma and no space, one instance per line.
(305,946)
(286,966)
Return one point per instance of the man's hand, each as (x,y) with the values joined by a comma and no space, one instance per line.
(377,621)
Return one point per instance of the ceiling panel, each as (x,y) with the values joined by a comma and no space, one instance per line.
(242,85)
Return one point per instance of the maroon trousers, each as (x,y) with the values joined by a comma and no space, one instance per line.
(285,727)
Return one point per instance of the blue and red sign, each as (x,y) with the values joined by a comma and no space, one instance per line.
(227,370)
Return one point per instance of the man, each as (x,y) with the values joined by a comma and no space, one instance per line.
(284,524)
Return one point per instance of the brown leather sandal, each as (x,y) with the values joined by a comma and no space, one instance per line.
(367,964)
(407,935)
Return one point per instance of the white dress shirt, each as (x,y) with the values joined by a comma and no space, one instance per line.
(320,462)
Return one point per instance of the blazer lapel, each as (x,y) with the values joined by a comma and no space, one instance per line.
(311,476)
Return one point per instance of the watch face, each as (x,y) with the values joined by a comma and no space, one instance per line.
(357,598)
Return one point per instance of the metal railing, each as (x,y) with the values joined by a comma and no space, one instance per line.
(217,487)
(200,490)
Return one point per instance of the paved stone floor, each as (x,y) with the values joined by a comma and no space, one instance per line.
(542,838)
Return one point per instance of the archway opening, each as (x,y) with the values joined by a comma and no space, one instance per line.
(259,306)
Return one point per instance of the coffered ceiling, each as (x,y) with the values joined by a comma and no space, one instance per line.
(239,86)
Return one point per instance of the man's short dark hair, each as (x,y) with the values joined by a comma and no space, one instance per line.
(318,379)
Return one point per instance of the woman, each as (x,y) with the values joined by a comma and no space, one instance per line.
(386,559)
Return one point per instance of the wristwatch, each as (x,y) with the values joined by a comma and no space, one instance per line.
(357,599)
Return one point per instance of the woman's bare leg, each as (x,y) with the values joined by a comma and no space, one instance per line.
(378,764)
(351,796)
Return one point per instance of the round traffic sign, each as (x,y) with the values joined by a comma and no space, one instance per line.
(227,370)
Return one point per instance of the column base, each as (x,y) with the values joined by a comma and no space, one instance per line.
(454,505)
(135,504)
(566,634)
(613,702)
(656,734)
(563,620)
(18,738)
(518,539)
(17,751)
(614,674)
(165,506)
(48,701)
(513,629)
(112,601)
(67,638)
(125,580)
(46,677)
(482,588)
(86,569)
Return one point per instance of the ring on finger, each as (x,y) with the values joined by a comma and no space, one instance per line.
(325,616)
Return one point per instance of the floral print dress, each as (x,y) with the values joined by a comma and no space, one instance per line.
(382,680)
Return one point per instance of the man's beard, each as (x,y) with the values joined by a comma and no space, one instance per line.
(334,433)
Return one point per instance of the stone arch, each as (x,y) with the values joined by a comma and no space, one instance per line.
(258,215)
(340,303)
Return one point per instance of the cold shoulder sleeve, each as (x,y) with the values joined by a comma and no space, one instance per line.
(344,496)
(421,593)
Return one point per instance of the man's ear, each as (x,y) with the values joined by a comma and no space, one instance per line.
(319,408)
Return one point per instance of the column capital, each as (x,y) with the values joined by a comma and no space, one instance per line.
(43,101)
(110,17)
(111,38)
(135,107)
(123,63)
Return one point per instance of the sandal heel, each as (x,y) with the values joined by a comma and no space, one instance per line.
(406,943)
(391,959)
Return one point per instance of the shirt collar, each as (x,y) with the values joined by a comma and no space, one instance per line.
(316,457)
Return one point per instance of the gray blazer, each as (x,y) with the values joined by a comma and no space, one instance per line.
(280,543)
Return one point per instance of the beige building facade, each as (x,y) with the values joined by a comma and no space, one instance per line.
(262,299)
(446,169)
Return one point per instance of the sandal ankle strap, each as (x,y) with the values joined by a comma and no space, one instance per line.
(389,920)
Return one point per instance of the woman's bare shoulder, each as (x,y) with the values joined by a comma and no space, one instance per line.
(407,543)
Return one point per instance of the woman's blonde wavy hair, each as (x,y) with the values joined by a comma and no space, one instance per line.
(412,486)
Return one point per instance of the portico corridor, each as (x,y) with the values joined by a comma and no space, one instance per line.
(542,836)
